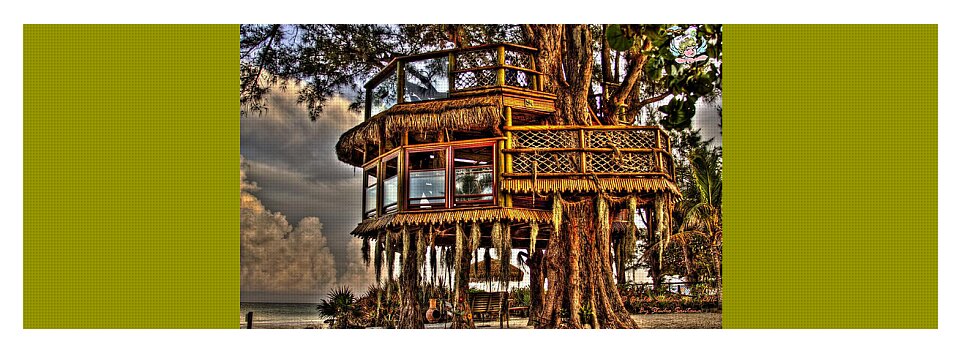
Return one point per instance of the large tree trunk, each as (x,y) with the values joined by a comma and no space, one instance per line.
(621,256)
(580,269)
(410,313)
(536,285)
(656,230)
(577,264)
(463,318)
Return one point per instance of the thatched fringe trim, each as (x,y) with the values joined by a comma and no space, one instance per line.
(590,185)
(370,226)
(477,113)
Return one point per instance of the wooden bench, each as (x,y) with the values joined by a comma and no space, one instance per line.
(488,305)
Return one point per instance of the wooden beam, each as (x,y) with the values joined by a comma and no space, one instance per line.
(585,149)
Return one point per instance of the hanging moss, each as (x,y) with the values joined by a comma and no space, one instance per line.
(433,263)
(378,257)
(630,241)
(505,253)
(557,212)
(474,237)
(603,215)
(421,237)
(461,246)
(486,263)
(390,258)
(534,230)
(365,251)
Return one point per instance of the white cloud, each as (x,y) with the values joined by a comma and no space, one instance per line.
(280,259)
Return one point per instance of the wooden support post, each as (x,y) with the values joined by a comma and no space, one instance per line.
(368,104)
(380,172)
(659,155)
(402,177)
(401,80)
(501,72)
(499,156)
(508,158)
(537,78)
(451,66)
(583,155)
(250,320)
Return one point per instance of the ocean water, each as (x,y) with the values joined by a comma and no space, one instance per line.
(281,315)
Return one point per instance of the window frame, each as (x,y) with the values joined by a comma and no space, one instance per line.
(450,196)
(364,213)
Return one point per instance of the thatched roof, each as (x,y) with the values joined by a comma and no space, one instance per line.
(482,113)
(396,220)
(568,185)
(478,271)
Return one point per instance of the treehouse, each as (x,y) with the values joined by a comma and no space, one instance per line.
(463,142)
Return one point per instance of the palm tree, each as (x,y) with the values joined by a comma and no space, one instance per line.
(703,208)
(339,306)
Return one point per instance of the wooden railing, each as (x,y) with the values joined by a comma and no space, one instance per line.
(443,74)
(587,150)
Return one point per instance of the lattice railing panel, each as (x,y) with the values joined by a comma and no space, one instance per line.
(552,162)
(546,139)
(518,59)
(621,138)
(473,79)
(475,59)
(518,78)
(625,162)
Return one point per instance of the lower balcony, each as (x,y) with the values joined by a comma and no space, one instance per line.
(504,176)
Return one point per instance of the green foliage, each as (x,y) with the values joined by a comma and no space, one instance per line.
(340,306)
(679,114)
(618,39)
(521,296)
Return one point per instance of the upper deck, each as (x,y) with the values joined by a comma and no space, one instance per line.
(455,94)
(451,74)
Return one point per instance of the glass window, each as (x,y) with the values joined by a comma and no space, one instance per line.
(384,94)
(426,80)
(427,180)
(473,169)
(390,185)
(370,193)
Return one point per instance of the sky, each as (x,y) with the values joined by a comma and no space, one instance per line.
(299,203)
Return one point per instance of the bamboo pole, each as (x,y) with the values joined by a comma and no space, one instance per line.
(401,81)
(451,76)
(501,72)
(501,201)
(583,155)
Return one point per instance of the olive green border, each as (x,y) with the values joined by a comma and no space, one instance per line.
(830,171)
(131,147)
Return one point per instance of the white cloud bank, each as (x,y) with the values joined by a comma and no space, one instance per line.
(280,261)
